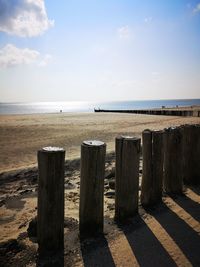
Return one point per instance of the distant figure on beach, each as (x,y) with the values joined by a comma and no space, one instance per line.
(60,110)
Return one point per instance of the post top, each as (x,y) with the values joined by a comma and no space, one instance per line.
(93,143)
(128,137)
(171,129)
(147,131)
(52,149)
(158,131)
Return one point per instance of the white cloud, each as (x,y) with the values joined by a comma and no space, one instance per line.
(25,18)
(11,56)
(197,8)
(124,32)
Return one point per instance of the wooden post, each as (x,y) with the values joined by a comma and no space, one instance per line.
(195,180)
(191,154)
(127,177)
(147,167)
(158,161)
(173,161)
(92,188)
(51,161)
(152,146)
(187,153)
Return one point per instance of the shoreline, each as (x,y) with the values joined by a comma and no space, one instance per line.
(104,105)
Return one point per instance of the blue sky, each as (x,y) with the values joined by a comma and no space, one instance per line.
(99,50)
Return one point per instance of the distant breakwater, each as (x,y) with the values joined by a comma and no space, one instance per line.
(167,112)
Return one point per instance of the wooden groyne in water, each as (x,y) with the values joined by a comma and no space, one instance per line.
(167,112)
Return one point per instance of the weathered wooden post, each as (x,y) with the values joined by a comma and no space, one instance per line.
(191,154)
(173,180)
(152,178)
(51,161)
(91,206)
(196,155)
(187,152)
(147,167)
(127,177)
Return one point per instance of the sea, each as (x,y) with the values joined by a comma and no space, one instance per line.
(81,106)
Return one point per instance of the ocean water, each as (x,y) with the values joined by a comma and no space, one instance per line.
(77,106)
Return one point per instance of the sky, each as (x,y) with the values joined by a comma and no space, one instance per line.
(108,50)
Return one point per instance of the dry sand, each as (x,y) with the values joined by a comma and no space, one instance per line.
(168,235)
(22,135)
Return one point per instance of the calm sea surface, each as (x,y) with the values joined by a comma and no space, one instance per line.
(55,107)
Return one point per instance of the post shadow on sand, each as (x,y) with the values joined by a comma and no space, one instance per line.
(195,189)
(183,235)
(95,252)
(144,244)
(51,260)
(190,206)
(47,257)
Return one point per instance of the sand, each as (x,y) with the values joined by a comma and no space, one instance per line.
(22,135)
(168,235)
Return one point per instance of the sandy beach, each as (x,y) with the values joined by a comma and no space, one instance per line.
(22,135)
(82,184)
(168,235)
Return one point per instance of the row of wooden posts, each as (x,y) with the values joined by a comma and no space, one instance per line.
(170,157)
(162,111)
